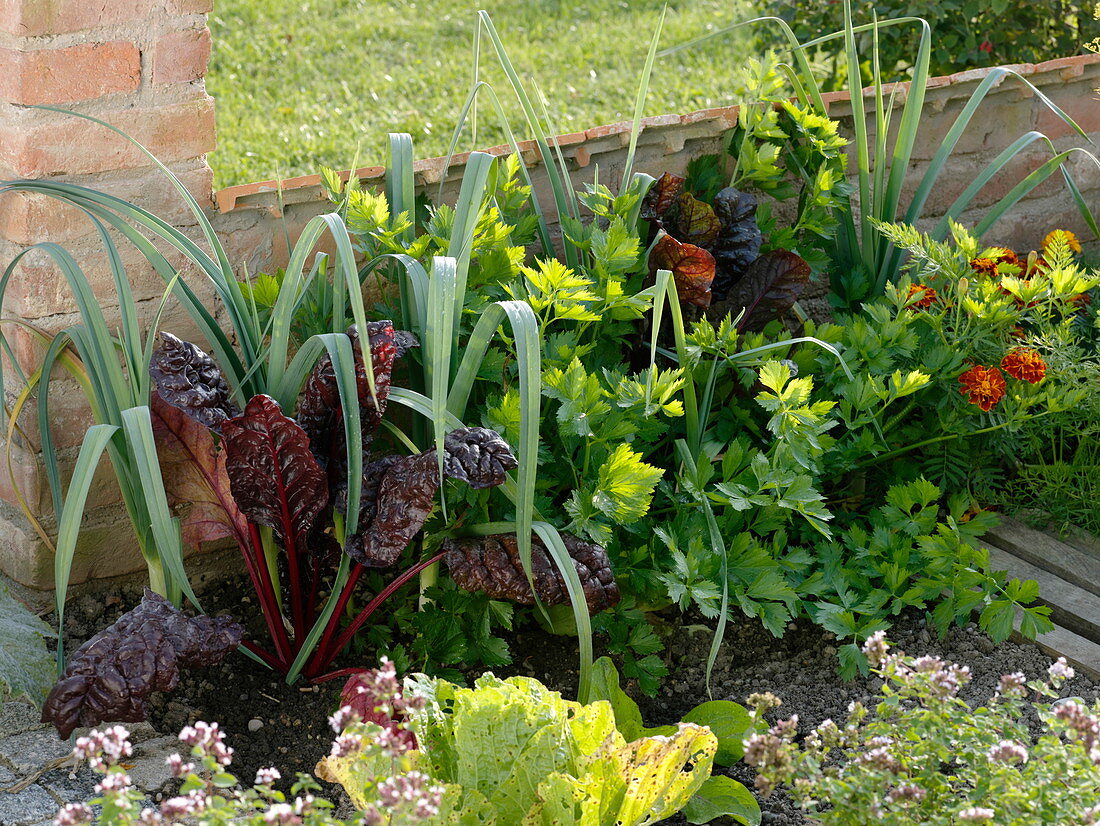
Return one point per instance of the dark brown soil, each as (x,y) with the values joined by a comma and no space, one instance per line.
(270,723)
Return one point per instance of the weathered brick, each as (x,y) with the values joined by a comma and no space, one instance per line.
(32,146)
(106,547)
(40,289)
(68,75)
(181,57)
(192,6)
(32,18)
(30,218)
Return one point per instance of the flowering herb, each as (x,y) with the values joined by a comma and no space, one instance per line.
(923,756)
(208,794)
(996,261)
(982,386)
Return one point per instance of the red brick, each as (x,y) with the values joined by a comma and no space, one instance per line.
(192,6)
(181,57)
(67,145)
(31,218)
(39,289)
(31,18)
(81,72)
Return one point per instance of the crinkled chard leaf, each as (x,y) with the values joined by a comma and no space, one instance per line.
(738,242)
(477,456)
(405,498)
(188,379)
(768,289)
(692,267)
(274,477)
(662,197)
(111,676)
(319,412)
(492,564)
(194,474)
(695,222)
(399,491)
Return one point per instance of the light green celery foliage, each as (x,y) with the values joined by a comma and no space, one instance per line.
(26,667)
(784,149)
(512,751)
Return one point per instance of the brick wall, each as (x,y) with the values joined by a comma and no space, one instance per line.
(139,65)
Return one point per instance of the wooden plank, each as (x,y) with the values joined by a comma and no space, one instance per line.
(1084,542)
(1073,608)
(1082,654)
(1069,562)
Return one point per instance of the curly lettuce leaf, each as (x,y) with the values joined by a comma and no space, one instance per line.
(633,784)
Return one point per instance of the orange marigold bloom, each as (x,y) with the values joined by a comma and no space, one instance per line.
(1025,364)
(1065,235)
(989,266)
(1081,300)
(984,266)
(983,386)
(927,298)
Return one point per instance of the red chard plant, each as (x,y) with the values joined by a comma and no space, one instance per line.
(278,486)
(714,254)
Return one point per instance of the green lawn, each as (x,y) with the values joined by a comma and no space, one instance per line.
(307,82)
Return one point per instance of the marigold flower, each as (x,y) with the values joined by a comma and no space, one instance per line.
(1063,235)
(927,298)
(1081,300)
(991,266)
(983,386)
(1024,364)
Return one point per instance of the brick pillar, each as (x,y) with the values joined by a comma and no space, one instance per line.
(139,65)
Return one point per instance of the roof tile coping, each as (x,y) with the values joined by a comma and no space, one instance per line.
(431,170)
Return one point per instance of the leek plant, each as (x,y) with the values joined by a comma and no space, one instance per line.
(113,368)
(864,261)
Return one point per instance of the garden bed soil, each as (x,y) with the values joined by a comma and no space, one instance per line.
(270,723)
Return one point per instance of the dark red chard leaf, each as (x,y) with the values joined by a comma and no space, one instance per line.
(769,288)
(111,676)
(370,698)
(691,266)
(194,474)
(399,491)
(477,456)
(738,243)
(188,379)
(695,222)
(492,564)
(661,197)
(405,498)
(319,402)
(274,477)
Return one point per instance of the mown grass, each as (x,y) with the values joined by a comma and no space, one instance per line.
(299,84)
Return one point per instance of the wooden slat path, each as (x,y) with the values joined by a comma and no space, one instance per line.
(1070,562)
(1071,607)
(1068,574)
